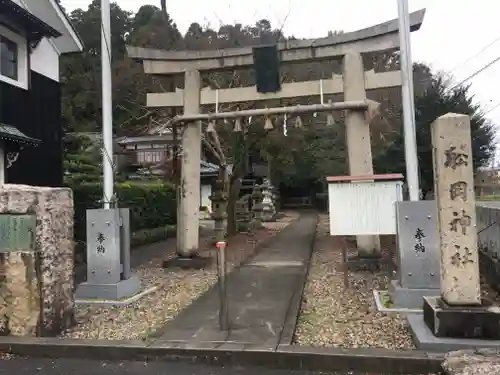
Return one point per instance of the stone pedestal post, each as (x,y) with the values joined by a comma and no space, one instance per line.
(257,205)
(358,138)
(219,199)
(454,188)
(268,210)
(189,189)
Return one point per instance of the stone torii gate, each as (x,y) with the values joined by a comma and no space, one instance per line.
(353,83)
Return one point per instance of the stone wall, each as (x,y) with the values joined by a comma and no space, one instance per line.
(488,228)
(36,287)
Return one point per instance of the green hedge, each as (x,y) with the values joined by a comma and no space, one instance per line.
(489,198)
(148,236)
(140,238)
(152,205)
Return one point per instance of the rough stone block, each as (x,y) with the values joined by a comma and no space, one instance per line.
(481,322)
(19,294)
(36,287)
(472,362)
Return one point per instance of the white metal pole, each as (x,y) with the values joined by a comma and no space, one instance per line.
(285,125)
(412,175)
(409,61)
(107,111)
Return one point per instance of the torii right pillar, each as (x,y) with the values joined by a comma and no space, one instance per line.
(359,149)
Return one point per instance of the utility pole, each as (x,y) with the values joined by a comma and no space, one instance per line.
(107,103)
(408,93)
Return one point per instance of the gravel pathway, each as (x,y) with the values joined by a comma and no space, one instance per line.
(176,290)
(332,315)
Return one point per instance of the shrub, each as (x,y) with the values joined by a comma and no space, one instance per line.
(82,164)
(147,236)
(151,205)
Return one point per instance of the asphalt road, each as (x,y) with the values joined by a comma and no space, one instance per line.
(38,366)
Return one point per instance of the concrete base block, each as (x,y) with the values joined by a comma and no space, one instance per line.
(409,298)
(357,263)
(120,303)
(379,295)
(425,340)
(481,322)
(111,292)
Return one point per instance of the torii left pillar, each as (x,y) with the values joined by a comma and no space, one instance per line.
(188,193)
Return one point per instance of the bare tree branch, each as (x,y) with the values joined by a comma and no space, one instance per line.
(215,136)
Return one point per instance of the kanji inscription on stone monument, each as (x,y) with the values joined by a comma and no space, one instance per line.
(100,240)
(460,222)
(461,256)
(454,181)
(419,245)
(455,158)
(458,190)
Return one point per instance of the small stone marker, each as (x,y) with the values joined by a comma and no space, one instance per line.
(454,189)
(103,247)
(109,277)
(418,254)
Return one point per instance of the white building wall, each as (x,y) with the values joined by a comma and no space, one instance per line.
(45,60)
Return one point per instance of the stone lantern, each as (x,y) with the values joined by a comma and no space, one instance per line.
(268,209)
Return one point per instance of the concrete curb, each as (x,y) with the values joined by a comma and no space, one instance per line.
(232,354)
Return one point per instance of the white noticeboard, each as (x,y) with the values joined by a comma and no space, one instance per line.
(363,208)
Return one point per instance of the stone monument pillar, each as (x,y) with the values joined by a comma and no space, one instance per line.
(358,139)
(454,189)
(459,312)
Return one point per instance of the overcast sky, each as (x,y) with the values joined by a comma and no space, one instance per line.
(453,32)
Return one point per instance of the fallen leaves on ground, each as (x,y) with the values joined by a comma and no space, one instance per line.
(332,315)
